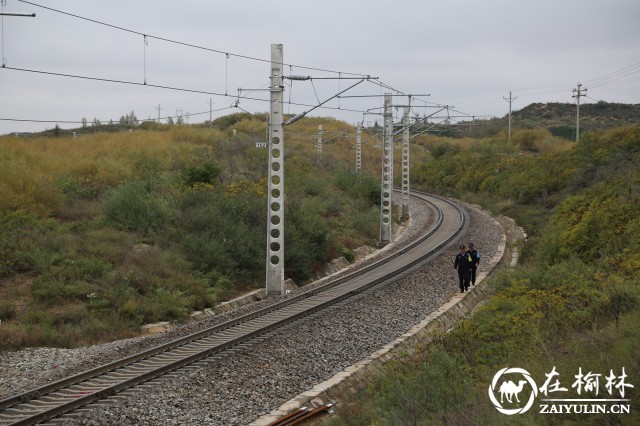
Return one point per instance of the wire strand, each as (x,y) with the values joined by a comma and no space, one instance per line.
(158,86)
(237,55)
(28,120)
(629,69)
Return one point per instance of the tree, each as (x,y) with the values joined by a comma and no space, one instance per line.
(84,122)
(131,119)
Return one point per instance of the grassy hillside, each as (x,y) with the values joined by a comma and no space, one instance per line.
(102,233)
(573,303)
(558,118)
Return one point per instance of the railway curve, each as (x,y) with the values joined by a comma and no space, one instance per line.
(77,391)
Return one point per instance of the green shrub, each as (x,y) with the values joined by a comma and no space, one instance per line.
(366,223)
(164,305)
(79,187)
(574,303)
(69,280)
(307,241)
(75,269)
(621,298)
(32,259)
(204,173)
(207,224)
(134,207)
(420,392)
(221,289)
(348,254)
(359,186)
(223,232)
(443,148)
(7,311)
(50,292)
(27,243)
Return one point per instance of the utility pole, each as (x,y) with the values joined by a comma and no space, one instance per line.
(275,223)
(319,147)
(210,112)
(159,108)
(358,148)
(577,93)
(405,164)
(510,100)
(387,174)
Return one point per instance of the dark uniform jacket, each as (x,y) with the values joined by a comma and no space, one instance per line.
(475,256)
(463,263)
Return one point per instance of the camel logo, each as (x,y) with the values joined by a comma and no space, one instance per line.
(510,390)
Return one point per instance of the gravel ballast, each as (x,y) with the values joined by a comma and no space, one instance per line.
(237,389)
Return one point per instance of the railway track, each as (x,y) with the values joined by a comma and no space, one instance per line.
(64,396)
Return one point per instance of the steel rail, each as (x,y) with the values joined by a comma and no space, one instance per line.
(84,388)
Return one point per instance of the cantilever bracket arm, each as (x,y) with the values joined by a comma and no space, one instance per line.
(25,15)
(303,114)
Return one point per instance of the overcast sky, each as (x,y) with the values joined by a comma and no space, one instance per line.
(465,53)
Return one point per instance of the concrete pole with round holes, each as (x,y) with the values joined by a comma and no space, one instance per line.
(319,146)
(275,227)
(387,174)
(405,165)
(358,148)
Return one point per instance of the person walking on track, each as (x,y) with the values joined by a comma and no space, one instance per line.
(463,264)
(475,256)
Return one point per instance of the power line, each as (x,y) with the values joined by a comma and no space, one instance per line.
(158,86)
(194,46)
(616,75)
(108,80)
(610,78)
(29,120)
(227,55)
(600,81)
(145,36)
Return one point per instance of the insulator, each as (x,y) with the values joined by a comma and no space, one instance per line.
(296,118)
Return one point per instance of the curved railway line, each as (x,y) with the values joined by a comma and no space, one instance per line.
(69,394)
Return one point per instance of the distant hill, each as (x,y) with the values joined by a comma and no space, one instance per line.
(560,118)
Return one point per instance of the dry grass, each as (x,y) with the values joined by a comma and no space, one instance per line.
(40,174)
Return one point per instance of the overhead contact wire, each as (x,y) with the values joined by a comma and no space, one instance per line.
(180,42)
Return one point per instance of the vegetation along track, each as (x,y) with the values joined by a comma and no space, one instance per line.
(66,395)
